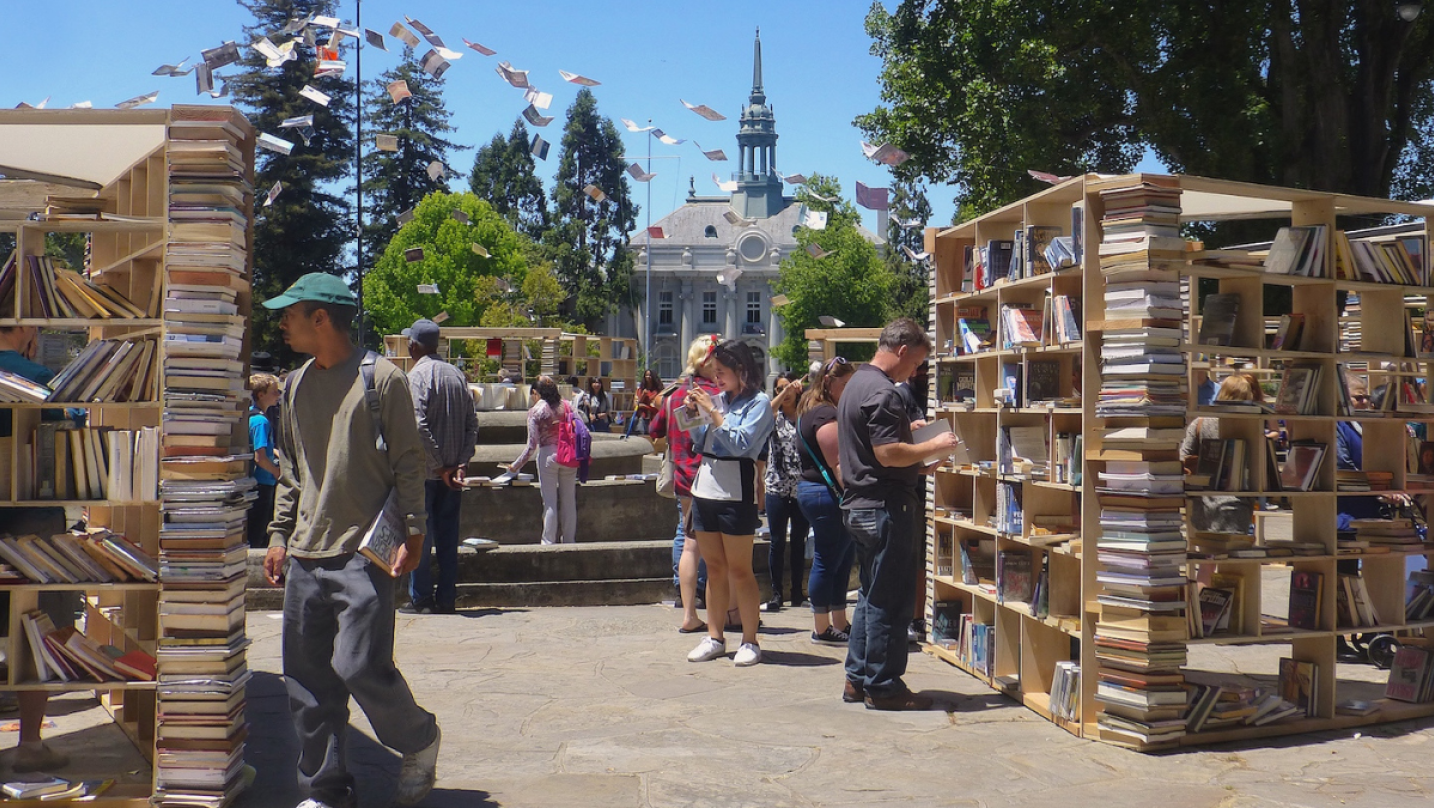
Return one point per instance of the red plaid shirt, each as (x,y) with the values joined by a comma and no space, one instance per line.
(679,442)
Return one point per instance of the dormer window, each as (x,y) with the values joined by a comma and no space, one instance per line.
(710,232)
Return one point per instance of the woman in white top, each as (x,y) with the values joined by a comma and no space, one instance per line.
(558,483)
(724,496)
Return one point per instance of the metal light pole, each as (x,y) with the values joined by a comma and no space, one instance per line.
(647,301)
(358,161)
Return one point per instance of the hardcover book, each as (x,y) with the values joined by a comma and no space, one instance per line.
(1217,320)
(385,536)
(1306,597)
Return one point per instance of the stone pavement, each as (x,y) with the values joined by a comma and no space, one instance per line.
(598,707)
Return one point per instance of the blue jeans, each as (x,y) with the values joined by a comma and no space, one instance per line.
(677,542)
(781,511)
(443,505)
(832,552)
(886,544)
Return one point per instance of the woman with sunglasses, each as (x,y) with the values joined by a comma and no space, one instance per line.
(724,494)
(819,496)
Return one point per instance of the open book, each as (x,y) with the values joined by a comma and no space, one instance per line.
(387,533)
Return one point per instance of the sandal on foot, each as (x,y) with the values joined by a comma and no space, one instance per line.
(700,628)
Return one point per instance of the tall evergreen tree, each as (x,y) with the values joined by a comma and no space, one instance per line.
(309,227)
(505,174)
(910,292)
(396,181)
(588,239)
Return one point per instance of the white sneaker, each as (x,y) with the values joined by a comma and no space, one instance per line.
(418,773)
(312,803)
(747,654)
(708,649)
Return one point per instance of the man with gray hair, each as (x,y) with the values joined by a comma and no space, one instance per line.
(448,427)
(880,469)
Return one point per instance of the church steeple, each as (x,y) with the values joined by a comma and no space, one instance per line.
(759,186)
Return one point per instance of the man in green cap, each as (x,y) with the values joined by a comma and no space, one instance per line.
(349,439)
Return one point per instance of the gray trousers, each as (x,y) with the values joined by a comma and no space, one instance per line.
(338,641)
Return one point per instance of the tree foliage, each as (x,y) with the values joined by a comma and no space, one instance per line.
(505,174)
(588,239)
(851,284)
(310,226)
(396,181)
(391,289)
(1323,94)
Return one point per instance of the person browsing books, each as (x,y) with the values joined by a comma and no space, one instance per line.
(784,471)
(724,494)
(557,483)
(880,469)
(18,345)
(1219,514)
(346,445)
(689,571)
(819,496)
(448,427)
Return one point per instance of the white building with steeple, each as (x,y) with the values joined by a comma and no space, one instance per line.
(713,271)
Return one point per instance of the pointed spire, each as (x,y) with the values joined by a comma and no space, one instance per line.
(757,65)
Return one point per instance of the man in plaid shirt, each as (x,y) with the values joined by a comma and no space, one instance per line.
(448,426)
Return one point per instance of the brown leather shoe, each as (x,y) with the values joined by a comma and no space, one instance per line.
(852,693)
(905,700)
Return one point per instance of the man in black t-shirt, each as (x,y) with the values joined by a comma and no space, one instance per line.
(880,471)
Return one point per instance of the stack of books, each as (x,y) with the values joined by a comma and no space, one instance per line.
(1386,532)
(1065,691)
(93,463)
(205,487)
(1142,628)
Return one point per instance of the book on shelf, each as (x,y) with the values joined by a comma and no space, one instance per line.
(997,261)
(1217,319)
(1288,333)
(1038,243)
(1301,466)
(1306,599)
(1013,576)
(1297,251)
(1411,675)
(974,330)
(1011,392)
(1299,684)
(1299,389)
(1043,380)
(1021,326)
(1419,596)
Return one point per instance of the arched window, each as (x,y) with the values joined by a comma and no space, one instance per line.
(710,232)
(668,366)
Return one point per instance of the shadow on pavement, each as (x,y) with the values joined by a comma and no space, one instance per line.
(273,751)
(967,703)
(796,660)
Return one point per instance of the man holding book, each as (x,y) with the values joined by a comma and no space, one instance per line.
(881,467)
(17,356)
(349,445)
(448,426)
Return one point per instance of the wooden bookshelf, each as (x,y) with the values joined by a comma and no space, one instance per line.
(129,157)
(963,501)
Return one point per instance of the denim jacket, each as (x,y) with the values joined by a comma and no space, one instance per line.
(746,425)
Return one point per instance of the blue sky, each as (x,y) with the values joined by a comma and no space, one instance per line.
(817,69)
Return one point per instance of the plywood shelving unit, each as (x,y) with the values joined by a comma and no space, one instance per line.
(962,504)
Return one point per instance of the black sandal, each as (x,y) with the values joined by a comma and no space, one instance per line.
(701,627)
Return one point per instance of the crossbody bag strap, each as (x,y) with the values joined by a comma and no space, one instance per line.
(821,466)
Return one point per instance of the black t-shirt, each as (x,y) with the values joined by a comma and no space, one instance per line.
(871,414)
(808,425)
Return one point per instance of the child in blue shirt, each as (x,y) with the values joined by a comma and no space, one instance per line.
(264,389)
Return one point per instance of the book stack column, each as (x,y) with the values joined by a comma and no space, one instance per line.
(1137,513)
(205,485)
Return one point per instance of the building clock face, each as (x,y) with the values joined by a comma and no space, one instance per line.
(752,248)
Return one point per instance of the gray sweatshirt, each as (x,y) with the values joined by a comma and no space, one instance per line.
(334,479)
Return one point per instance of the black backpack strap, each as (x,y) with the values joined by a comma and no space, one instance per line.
(370,392)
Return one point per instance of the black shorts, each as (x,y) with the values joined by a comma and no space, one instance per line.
(721,516)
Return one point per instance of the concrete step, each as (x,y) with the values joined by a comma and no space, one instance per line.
(585,574)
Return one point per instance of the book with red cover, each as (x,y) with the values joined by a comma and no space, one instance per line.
(1306,591)
(137,665)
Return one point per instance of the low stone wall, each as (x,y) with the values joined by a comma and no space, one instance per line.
(607,511)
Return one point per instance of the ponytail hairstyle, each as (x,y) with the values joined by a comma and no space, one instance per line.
(820,391)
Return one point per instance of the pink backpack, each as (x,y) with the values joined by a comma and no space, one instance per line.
(574,441)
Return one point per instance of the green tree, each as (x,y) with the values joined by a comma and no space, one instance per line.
(504,173)
(588,239)
(851,284)
(309,228)
(1326,95)
(910,279)
(395,181)
(449,261)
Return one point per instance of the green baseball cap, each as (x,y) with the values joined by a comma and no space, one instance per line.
(318,287)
